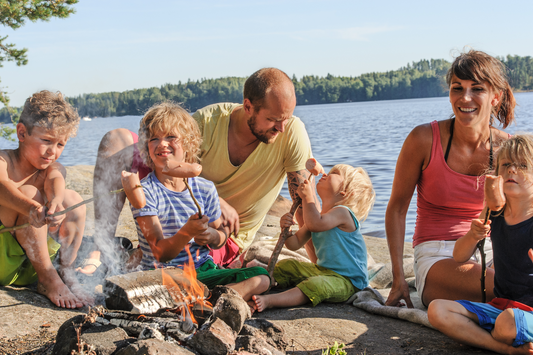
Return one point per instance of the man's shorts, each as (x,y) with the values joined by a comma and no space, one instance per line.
(210,275)
(428,253)
(487,314)
(15,267)
(317,283)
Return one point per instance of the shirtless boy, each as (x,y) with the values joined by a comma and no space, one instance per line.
(32,188)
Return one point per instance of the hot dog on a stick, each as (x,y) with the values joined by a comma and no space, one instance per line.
(314,167)
(133,189)
(182,170)
(494,196)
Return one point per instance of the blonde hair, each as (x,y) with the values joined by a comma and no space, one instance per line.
(360,194)
(519,150)
(50,111)
(167,118)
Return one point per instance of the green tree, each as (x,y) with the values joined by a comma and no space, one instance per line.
(13,14)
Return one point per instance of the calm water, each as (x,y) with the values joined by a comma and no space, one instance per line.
(367,134)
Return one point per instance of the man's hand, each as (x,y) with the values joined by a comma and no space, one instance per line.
(397,293)
(55,206)
(208,237)
(530,253)
(230,217)
(37,216)
(195,226)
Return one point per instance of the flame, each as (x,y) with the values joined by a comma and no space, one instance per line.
(194,292)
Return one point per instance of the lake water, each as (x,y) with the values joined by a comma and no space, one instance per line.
(366,134)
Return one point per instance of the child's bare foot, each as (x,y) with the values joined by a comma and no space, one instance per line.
(526,348)
(252,306)
(59,294)
(71,281)
(261,302)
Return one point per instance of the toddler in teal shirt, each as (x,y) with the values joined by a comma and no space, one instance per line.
(339,268)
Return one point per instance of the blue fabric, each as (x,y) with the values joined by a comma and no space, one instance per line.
(343,252)
(513,279)
(174,209)
(487,315)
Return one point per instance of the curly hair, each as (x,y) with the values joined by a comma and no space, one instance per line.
(360,194)
(168,117)
(480,67)
(50,110)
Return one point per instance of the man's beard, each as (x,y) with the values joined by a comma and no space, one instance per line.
(260,135)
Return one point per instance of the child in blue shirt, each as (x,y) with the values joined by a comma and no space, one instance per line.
(169,222)
(339,268)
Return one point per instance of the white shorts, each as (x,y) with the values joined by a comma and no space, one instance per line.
(428,253)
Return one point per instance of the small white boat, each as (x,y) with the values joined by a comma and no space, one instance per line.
(86,118)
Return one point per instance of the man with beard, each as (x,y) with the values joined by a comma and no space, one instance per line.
(247,150)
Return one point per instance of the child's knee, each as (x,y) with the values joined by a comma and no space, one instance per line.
(505,327)
(264,283)
(32,192)
(437,312)
(72,198)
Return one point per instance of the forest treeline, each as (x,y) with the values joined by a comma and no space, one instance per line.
(425,78)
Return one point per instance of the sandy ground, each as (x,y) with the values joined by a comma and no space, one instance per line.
(29,322)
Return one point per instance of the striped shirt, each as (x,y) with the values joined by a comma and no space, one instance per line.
(174,209)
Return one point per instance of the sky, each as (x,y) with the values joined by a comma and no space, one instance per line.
(118,45)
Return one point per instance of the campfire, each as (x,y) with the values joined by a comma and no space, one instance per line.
(168,308)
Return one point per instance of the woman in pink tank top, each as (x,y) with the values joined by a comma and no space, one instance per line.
(445,161)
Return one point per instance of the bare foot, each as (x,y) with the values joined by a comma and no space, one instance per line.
(59,294)
(526,348)
(71,281)
(261,302)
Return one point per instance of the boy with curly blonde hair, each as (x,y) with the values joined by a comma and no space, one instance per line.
(169,228)
(32,188)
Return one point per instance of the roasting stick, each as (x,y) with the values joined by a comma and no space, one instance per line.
(193,198)
(481,248)
(495,201)
(314,167)
(66,210)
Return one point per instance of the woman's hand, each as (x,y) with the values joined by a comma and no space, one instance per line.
(286,221)
(399,291)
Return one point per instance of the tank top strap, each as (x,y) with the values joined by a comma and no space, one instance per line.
(436,147)
(352,214)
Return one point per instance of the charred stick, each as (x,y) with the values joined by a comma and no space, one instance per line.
(481,248)
(60,213)
(285,233)
(193,198)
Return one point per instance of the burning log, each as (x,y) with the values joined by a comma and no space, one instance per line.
(144,292)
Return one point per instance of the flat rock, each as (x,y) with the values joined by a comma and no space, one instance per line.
(153,347)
